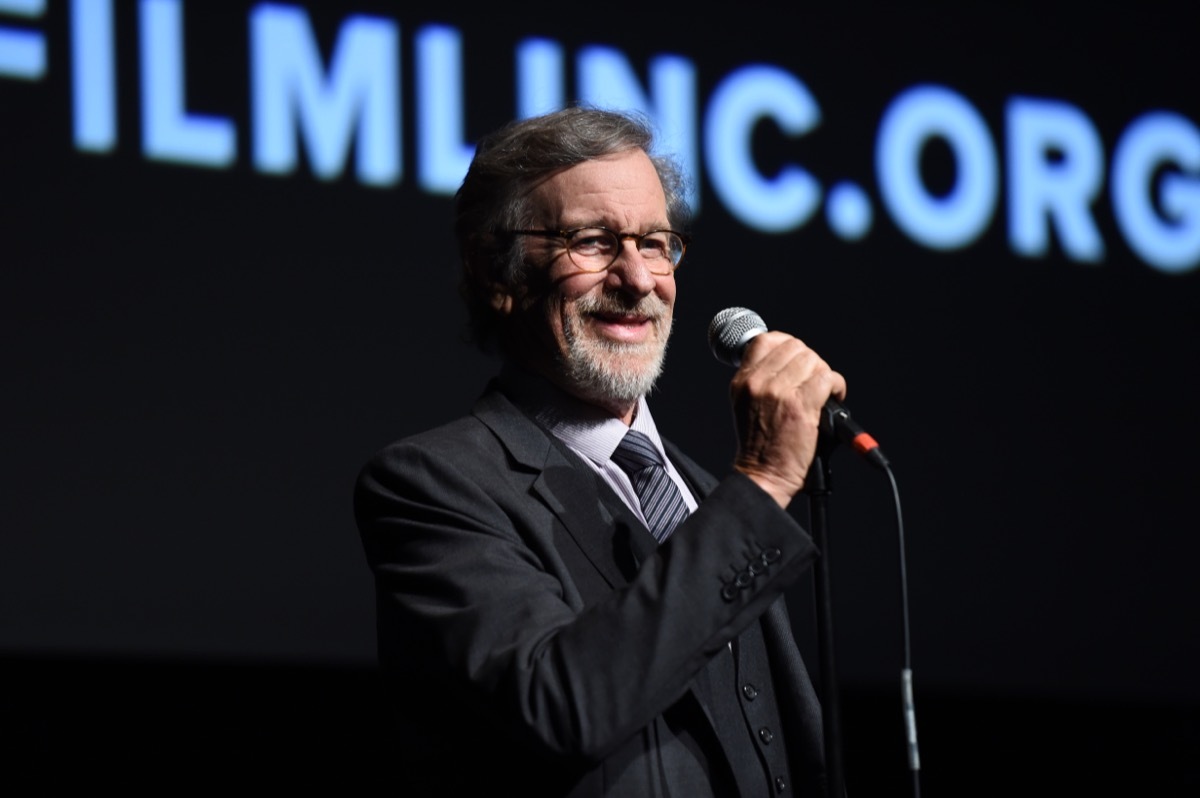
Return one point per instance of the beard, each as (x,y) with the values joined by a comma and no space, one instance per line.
(614,371)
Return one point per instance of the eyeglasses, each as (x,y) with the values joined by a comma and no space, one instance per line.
(594,249)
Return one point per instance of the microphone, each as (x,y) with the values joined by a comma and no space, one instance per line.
(728,335)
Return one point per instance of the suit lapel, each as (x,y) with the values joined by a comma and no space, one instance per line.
(595,518)
(612,538)
(699,481)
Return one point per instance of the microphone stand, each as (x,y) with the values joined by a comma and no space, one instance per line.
(818,489)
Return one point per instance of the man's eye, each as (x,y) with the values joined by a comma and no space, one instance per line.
(591,242)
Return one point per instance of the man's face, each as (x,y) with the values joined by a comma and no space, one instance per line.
(600,336)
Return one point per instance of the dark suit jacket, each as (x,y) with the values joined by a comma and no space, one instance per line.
(533,630)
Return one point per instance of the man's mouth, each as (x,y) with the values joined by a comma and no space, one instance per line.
(632,327)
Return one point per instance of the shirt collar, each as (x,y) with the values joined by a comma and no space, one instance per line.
(589,430)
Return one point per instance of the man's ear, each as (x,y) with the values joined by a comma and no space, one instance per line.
(482,265)
(501,299)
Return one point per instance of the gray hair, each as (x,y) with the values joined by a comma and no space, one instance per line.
(508,164)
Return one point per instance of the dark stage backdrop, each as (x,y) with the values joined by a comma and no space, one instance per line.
(228,277)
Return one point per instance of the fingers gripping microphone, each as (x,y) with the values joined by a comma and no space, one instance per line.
(731,331)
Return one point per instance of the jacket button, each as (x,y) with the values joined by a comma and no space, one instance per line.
(729,592)
(743,579)
(765,735)
(750,691)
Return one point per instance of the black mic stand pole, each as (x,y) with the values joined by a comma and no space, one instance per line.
(817,487)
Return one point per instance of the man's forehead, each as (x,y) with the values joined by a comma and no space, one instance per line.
(622,185)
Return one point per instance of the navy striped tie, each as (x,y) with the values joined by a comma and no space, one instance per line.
(662,504)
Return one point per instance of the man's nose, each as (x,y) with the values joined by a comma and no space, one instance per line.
(631,270)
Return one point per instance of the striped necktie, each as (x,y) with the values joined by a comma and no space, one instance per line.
(662,504)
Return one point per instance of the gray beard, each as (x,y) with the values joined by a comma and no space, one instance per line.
(608,377)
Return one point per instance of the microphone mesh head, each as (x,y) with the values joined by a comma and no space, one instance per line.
(730,331)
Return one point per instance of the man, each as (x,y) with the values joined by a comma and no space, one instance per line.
(541,638)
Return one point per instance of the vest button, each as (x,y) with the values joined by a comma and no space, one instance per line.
(780,784)
(765,735)
(750,691)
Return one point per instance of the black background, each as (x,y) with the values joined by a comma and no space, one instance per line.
(197,362)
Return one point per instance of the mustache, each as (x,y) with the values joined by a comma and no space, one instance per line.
(649,306)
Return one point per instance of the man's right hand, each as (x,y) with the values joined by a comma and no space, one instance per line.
(778,395)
